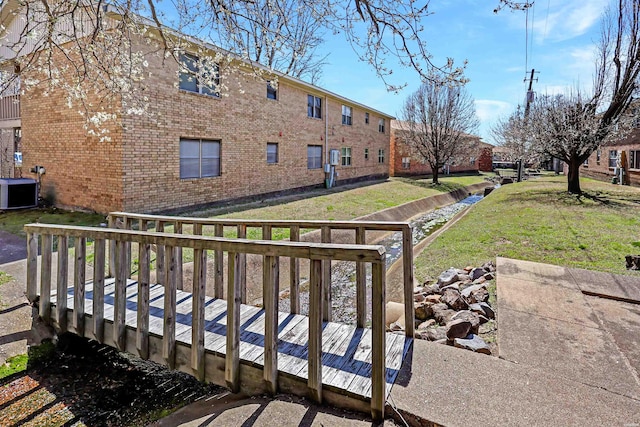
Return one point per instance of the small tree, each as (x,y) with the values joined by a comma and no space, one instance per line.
(438,119)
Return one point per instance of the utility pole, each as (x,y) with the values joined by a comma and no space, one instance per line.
(529,100)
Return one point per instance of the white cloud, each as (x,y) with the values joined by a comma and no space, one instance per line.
(489,110)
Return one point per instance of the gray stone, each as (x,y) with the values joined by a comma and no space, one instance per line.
(489,266)
(453,299)
(448,277)
(476,308)
(475,293)
(481,295)
(455,286)
(435,334)
(479,280)
(431,289)
(435,298)
(458,328)
(466,292)
(488,310)
(476,273)
(423,310)
(489,276)
(396,326)
(483,319)
(472,342)
(423,326)
(464,277)
(442,313)
(469,316)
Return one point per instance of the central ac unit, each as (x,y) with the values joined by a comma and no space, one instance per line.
(18,193)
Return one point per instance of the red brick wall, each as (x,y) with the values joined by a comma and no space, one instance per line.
(485,161)
(601,170)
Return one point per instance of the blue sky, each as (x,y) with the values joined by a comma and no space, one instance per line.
(562,36)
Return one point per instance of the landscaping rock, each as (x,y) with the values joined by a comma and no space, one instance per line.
(423,326)
(483,319)
(489,276)
(435,334)
(448,277)
(479,280)
(423,310)
(477,273)
(397,326)
(488,310)
(466,292)
(470,317)
(431,289)
(489,266)
(455,286)
(442,313)
(435,298)
(459,328)
(472,342)
(464,277)
(454,299)
(481,295)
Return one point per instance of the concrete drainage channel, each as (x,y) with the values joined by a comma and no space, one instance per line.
(444,209)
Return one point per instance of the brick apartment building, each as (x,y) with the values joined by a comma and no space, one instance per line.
(404,163)
(603,163)
(195,148)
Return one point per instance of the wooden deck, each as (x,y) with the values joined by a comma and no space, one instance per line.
(346,350)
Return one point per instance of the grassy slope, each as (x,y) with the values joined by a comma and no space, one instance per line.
(14,221)
(539,221)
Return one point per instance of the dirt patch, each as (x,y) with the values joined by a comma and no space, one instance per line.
(81,382)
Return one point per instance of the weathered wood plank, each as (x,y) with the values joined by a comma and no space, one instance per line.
(120,297)
(242,265)
(142,323)
(32,266)
(378,349)
(169,329)
(361,283)
(160,255)
(315,330)
(45,278)
(362,382)
(218,263)
(111,223)
(270,280)
(198,319)
(294,274)
(407,268)
(326,277)
(232,356)
(78,284)
(178,230)
(61,283)
(127,225)
(98,289)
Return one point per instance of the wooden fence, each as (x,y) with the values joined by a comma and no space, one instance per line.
(42,237)
(126,220)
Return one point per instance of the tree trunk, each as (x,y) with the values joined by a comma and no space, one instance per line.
(573,177)
(435,171)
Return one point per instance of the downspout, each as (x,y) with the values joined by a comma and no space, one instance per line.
(326,129)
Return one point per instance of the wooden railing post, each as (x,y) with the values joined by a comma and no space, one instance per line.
(270,279)
(144,277)
(98,289)
(378,341)
(314,381)
(32,266)
(232,356)
(111,223)
(361,283)
(45,278)
(160,256)
(218,259)
(242,265)
(179,284)
(120,297)
(169,328)
(61,283)
(197,324)
(126,224)
(294,274)
(79,281)
(407,267)
(326,277)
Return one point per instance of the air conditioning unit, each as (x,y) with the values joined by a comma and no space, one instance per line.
(334,157)
(18,193)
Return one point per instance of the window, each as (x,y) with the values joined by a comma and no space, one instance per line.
(613,158)
(472,161)
(586,163)
(381,125)
(381,156)
(314,156)
(366,154)
(634,159)
(314,107)
(406,162)
(346,156)
(272,92)
(346,115)
(598,154)
(366,118)
(272,152)
(199,158)
(193,79)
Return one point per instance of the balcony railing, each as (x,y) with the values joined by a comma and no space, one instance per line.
(10,107)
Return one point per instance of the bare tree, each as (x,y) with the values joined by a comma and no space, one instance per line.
(437,121)
(512,133)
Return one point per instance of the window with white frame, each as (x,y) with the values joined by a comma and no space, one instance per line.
(586,163)
(472,160)
(634,159)
(346,115)
(314,107)
(205,81)
(613,158)
(381,125)
(381,156)
(199,158)
(314,156)
(366,118)
(272,152)
(598,154)
(272,92)
(406,162)
(366,154)
(346,156)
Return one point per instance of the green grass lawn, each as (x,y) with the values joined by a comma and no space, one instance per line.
(539,221)
(13,221)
